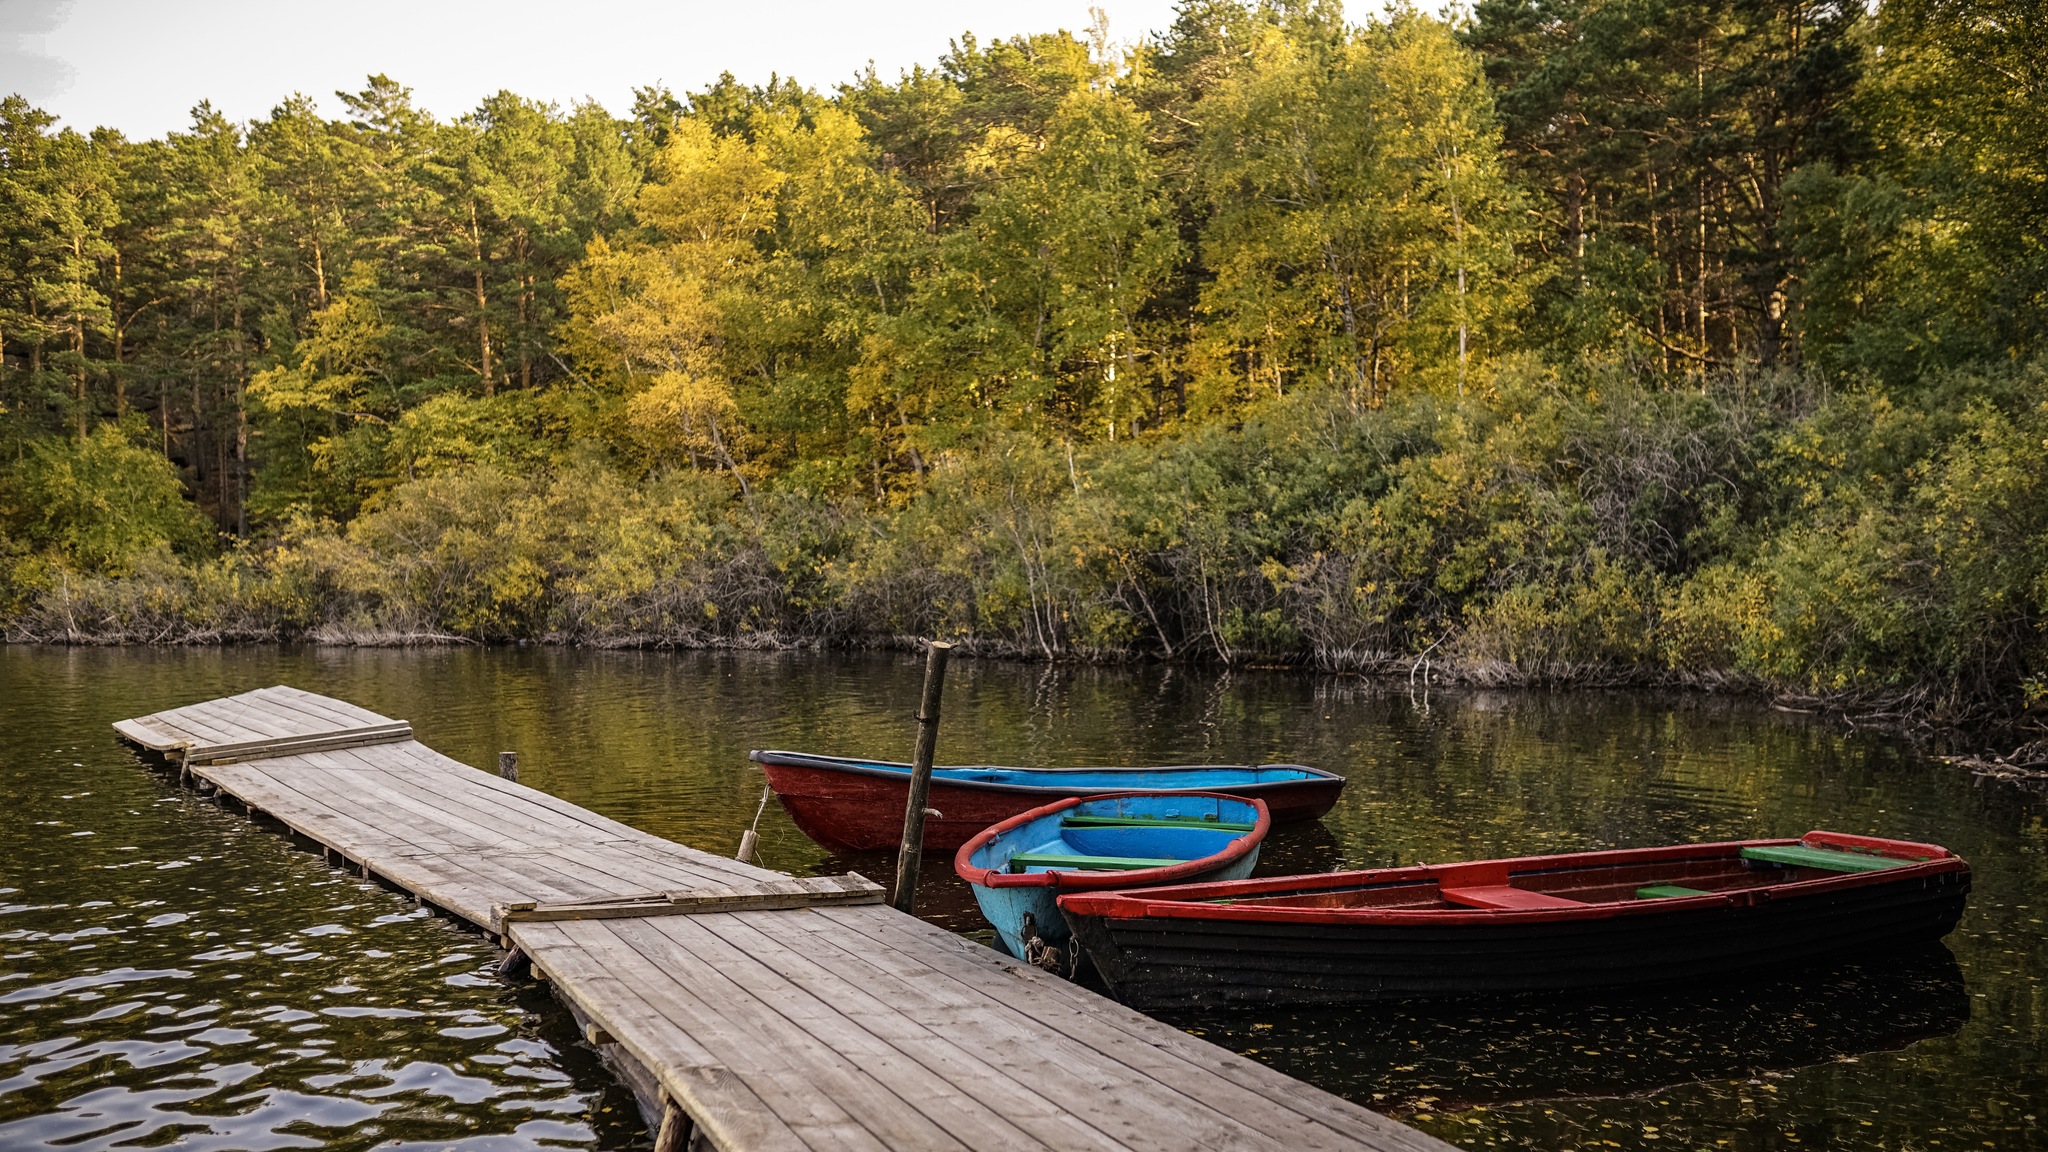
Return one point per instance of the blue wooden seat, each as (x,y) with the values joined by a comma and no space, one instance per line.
(1025,860)
(1153,822)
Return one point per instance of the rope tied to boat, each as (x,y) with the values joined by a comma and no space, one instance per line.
(1038,953)
(752,839)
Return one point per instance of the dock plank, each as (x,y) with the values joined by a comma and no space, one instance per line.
(1145,1046)
(1187,1119)
(864,1077)
(911,1021)
(745,1048)
(319,710)
(405,827)
(175,729)
(245,717)
(807,1028)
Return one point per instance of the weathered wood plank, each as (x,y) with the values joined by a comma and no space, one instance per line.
(185,729)
(471,884)
(1038,1092)
(666,865)
(149,735)
(301,714)
(347,827)
(597,959)
(472,796)
(262,710)
(270,747)
(636,1015)
(1140,1110)
(516,799)
(317,793)
(318,707)
(466,868)
(1145,1047)
(242,717)
(423,800)
(816,1032)
(832,1080)
(364,813)
(235,714)
(795,892)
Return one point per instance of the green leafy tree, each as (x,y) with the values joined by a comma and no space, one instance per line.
(1360,215)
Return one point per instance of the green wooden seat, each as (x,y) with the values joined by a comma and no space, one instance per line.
(1152,822)
(1666,891)
(1024,860)
(1800,856)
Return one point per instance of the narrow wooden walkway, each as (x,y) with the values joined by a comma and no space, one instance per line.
(748,1009)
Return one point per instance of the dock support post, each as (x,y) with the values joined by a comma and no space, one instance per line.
(508,766)
(912,851)
(675,1131)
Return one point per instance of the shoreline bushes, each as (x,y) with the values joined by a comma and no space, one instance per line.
(1550,533)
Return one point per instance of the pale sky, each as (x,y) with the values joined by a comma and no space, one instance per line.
(140,65)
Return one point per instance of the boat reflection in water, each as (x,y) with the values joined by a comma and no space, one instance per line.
(1447,1055)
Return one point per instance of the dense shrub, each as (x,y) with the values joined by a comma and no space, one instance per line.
(1562,528)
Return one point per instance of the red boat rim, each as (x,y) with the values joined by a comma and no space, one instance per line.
(1203,901)
(1244,844)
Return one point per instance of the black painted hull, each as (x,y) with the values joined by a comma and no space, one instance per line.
(1158,962)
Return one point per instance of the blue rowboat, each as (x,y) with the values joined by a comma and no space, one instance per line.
(1019,868)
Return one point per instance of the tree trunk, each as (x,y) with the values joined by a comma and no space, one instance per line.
(78,338)
(525,333)
(120,335)
(483,320)
(1350,310)
(78,372)
(241,428)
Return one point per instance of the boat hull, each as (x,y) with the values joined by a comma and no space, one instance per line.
(852,809)
(1178,959)
(1006,908)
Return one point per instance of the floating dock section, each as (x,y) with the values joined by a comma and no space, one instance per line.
(747,1009)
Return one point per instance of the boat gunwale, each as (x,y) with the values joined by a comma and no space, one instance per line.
(1198,901)
(1239,847)
(895,770)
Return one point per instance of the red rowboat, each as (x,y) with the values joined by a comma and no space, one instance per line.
(1537,923)
(858,804)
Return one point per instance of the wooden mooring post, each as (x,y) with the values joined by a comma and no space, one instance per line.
(911,853)
(508,766)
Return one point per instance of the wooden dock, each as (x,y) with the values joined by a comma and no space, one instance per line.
(747,1009)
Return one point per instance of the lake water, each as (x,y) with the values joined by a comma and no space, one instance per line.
(171,975)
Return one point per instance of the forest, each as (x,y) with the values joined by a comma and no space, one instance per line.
(1556,341)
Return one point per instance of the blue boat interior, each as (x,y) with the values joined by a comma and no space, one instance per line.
(1121,833)
(1196,777)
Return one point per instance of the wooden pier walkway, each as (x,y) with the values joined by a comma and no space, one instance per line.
(748,1009)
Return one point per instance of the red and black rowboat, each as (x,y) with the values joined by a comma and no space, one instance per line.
(854,804)
(1538,923)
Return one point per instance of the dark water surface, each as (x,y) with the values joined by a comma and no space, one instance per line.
(172,976)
